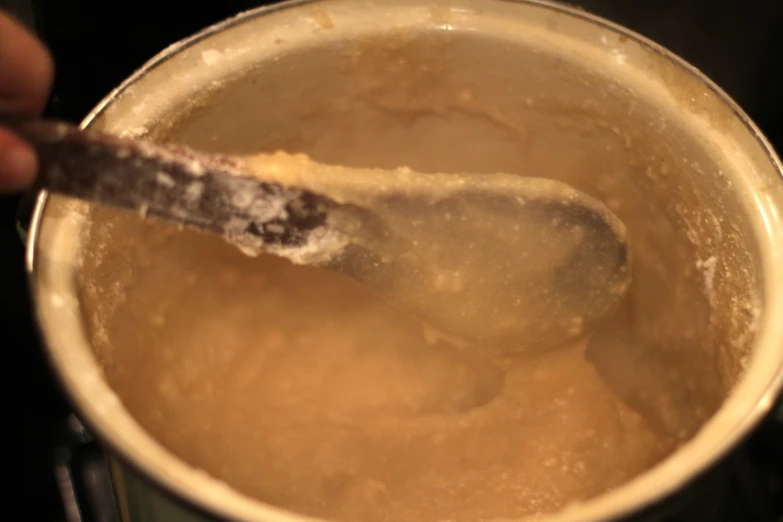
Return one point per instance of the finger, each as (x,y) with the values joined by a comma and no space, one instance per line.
(18,163)
(26,69)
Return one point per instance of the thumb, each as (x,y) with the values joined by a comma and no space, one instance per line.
(26,73)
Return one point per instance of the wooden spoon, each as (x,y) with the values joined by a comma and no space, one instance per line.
(517,262)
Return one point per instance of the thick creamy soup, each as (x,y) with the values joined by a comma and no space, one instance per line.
(301,388)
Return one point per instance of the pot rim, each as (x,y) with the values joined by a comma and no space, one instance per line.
(218,502)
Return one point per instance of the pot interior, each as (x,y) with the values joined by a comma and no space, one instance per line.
(243,368)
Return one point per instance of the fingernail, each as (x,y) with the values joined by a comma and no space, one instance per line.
(17,168)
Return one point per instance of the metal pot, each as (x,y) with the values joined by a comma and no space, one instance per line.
(546,89)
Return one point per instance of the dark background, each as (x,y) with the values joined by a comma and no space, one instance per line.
(96,44)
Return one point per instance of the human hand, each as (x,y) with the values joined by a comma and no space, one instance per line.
(26,73)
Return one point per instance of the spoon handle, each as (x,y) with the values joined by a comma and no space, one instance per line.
(176,184)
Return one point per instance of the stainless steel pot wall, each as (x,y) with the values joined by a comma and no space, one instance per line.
(536,89)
